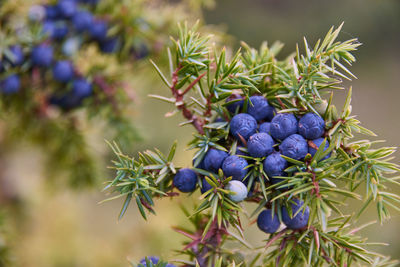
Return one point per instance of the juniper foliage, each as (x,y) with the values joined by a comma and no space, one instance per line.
(200,80)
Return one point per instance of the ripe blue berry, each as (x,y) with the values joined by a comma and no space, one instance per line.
(318,143)
(67,101)
(185,180)
(213,159)
(67,8)
(265,128)
(60,31)
(109,45)
(274,165)
(283,125)
(260,145)
(236,167)
(42,55)
(51,12)
(239,189)
(81,88)
(294,146)
(17,55)
(82,21)
(268,222)
(311,126)
(10,84)
(205,186)
(260,109)
(152,259)
(244,125)
(98,30)
(234,103)
(300,220)
(63,71)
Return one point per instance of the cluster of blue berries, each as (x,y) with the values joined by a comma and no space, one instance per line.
(42,57)
(265,135)
(154,260)
(66,23)
(71,22)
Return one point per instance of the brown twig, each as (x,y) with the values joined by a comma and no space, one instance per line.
(197,122)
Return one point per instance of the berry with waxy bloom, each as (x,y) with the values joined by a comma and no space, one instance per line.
(185,180)
(213,159)
(283,125)
(294,146)
(81,88)
(10,84)
(268,222)
(42,55)
(243,125)
(82,20)
(239,190)
(98,30)
(265,128)
(260,109)
(67,8)
(236,103)
(260,145)
(311,126)
(63,71)
(274,165)
(236,167)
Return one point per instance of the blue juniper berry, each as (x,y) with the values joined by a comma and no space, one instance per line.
(42,55)
(82,20)
(81,88)
(283,125)
(265,128)
(10,84)
(109,45)
(260,145)
(294,146)
(98,30)
(268,222)
(236,167)
(311,126)
(63,71)
(67,8)
(300,220)
(244,125)
(51,12)
(185,180)
(260,109)
(213,159)
(234,103)
(274,165)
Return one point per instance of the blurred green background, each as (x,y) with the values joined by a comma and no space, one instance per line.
(63,228)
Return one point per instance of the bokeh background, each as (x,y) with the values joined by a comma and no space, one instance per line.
(63,228)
